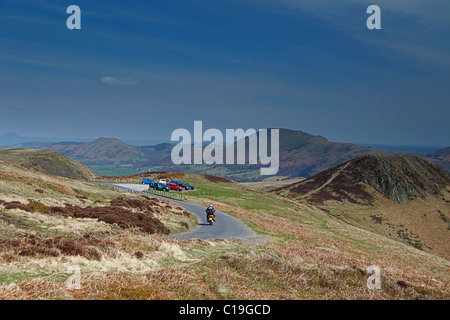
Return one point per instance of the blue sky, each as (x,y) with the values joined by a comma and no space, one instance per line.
(138,70)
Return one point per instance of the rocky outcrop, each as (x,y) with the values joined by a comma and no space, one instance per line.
(400,179)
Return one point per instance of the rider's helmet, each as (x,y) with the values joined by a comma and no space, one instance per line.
(210,206)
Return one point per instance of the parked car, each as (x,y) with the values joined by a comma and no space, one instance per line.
(178,183)
(184,185)
(163,181)
(160,187)
(174,187)
(191,187)
(148,181)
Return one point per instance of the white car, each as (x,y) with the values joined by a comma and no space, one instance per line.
(164,181)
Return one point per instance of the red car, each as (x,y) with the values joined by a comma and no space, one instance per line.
(174,187)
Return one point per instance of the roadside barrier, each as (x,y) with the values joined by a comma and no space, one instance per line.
(177,195)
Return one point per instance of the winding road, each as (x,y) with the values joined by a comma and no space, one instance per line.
(226,226)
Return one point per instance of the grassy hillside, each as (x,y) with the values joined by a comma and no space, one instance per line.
(104,150)
(271,183)
(405,198)
(47,161)
(48,223)
(308,254)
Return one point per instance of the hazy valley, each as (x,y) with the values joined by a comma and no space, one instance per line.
(301,155)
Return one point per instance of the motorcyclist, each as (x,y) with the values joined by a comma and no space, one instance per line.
(211,210)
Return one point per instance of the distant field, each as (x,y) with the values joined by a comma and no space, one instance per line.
(271,183)
(111,170)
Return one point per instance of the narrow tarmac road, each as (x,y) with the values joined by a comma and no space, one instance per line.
(226,226)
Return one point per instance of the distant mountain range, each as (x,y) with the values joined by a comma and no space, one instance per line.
(301,155)
(405,148)
(13,140)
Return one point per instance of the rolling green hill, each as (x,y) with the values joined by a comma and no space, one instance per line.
(303,155)
(47,161)
(101,150)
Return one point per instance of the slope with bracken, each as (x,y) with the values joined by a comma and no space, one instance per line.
(32,201)
(406,198)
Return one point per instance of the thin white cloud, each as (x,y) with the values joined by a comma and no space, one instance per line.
(417,34)
(119,82)
(429,13)
(419,51)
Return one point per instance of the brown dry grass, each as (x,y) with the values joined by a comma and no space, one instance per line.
(335,249)
(164,284)
(232,270)
(32,246)
(20,184)
(422,223)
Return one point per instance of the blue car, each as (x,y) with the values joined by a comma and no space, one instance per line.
(148,181)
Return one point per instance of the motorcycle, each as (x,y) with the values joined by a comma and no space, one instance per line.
(210,218)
